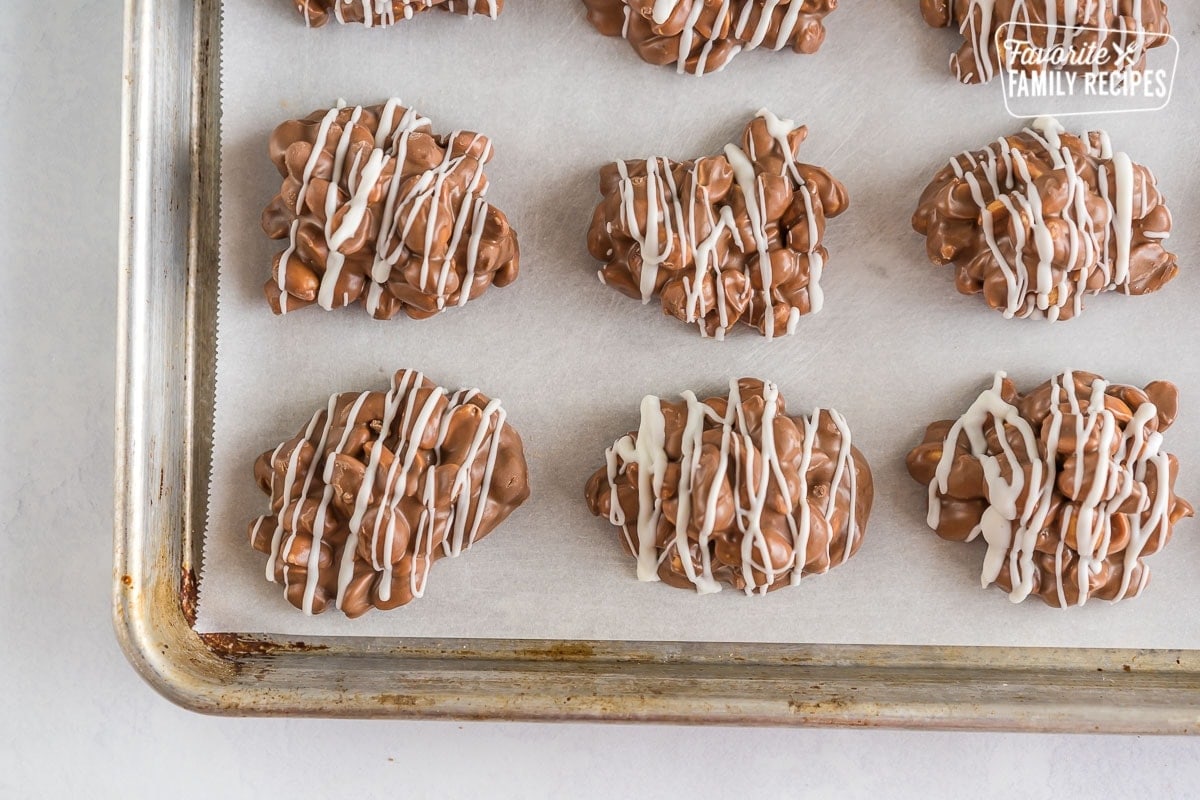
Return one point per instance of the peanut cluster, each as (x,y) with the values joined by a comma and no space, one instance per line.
(379,210)
(724,238)
(1040,219)
(1123,29)
(700,36)
(380,13)
(1068,485)
(733,490)
(378,486)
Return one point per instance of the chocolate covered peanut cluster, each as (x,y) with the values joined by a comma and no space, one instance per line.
(381,13)
(378,486)
(700,36)
(733,490)
(1069,485)
(1037,220)
(724,238)
(996,31)
(379,210)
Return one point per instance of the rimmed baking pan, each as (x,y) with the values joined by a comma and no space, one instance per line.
(163,449)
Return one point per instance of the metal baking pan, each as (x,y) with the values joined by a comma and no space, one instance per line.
(168,279)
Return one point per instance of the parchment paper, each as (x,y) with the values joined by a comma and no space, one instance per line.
(895,348)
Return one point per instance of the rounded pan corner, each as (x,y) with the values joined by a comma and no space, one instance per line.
(164,650)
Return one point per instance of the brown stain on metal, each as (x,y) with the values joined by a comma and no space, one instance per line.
(559,651)
(399,701)
(126,581)
(836,707)
(188,594)
(231,646)
(832,703)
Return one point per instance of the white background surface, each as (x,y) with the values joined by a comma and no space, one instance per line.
(74,718)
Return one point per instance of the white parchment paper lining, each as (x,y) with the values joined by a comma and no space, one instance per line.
(895,348)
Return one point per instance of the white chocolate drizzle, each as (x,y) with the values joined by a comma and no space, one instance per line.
(400,211)
(1023,274)
(401,412)
(647,451)
(663,9)
(381,13)
(1011,527)
(727,18)
(666,210)
(980,27)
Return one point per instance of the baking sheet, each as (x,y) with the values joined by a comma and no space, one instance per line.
(894,348)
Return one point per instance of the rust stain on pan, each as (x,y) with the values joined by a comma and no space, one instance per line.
(559,651)
(188,594)
(231,646)
(400,700)
(835,705)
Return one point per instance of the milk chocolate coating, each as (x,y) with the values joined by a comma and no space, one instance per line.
(702,214)
(1053,233)
(1070,497)
(1115,25)
(425,239)
(756,533)
(317,12)
(414,474)
(700,36)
